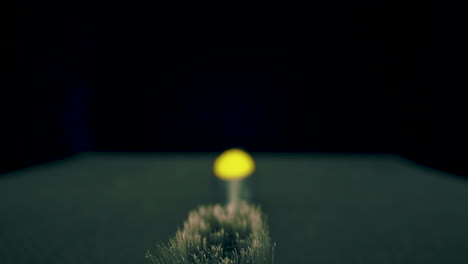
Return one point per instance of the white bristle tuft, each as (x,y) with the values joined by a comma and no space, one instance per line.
(213,235)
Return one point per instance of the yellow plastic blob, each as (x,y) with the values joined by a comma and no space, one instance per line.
(233,164)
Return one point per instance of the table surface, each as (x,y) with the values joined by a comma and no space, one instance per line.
(322,208)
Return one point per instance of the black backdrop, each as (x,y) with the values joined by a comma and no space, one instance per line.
(330,76)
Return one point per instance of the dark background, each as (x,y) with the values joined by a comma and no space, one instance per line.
(330,76)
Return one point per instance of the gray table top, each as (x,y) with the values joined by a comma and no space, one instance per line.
(111,208)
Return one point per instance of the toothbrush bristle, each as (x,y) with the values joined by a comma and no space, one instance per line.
(212,235)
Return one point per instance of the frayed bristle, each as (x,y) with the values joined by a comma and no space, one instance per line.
(211,235)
